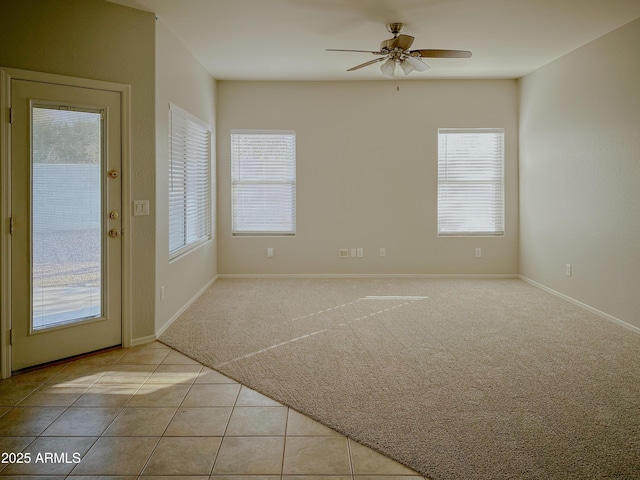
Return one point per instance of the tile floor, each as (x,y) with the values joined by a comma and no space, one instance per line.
(150,411)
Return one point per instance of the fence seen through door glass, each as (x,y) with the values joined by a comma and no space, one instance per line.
(66,215)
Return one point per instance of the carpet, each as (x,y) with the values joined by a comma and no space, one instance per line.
(457,379)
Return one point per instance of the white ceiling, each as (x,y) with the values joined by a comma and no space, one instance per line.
(286,39)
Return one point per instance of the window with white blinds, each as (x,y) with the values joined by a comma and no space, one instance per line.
(189,181)
(263,182)
(470,182)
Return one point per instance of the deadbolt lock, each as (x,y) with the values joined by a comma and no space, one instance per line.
(113,215)
(114,173)
(113,233)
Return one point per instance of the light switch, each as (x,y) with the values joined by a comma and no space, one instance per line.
(140,207)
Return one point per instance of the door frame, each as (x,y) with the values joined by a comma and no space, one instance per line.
(6,75)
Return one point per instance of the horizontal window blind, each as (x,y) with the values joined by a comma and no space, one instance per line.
(189,181)
(263,183)
(470,182)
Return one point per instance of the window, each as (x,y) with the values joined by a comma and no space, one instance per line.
(189,181)
(263,182)
(470,182)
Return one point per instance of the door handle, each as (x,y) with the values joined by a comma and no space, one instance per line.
(113,233)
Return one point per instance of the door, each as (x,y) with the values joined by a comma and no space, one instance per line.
(66,242)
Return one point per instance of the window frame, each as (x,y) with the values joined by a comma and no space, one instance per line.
(207,213)
(498,206)
(291,180)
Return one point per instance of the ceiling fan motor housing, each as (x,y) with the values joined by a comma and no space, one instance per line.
(395,28)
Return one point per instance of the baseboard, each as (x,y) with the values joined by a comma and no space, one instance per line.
(162,329)
(589,308)
(142,340)
(369,275)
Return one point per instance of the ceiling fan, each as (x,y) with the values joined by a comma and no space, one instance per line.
(396,53)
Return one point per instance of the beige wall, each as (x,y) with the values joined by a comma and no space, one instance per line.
(366,175)
(580,174)
(181,80)
(99,40)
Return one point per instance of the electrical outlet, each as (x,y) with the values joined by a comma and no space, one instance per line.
(383,252)
(478,252)
(270,252)
(568,270)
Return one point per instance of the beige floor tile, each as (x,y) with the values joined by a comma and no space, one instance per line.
(316,456)
(366,461)
(252,477)
(54,396)
(177,358)
(208,375)
(250,456)
(215,395)
(175,374)
(28,421)
(140,422)
(106,395)
(37,477)
(82,422)
(171,477)
(78,374)
(253,421)
(317,477)
(158,395)
(148,356)
(106,358)
(183,456)
(13,444)
(127,374)
(415,476)
(13,393)
(303,426)
(68,451)
(199,422)
(39,375)
(117,456)
(98,477)
(251,398)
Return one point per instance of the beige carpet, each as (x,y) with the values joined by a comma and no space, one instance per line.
(457,379)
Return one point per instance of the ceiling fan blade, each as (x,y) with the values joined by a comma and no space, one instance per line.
(443,53)
(403,42)
(358,51)
(365,64)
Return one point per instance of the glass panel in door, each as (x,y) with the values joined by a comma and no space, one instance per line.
(66,215)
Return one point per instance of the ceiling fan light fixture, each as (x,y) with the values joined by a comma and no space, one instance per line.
(407,68)
(416,63)
(388,68)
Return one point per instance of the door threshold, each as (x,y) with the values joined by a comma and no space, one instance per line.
(67,360)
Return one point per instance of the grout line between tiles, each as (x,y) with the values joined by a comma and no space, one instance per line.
(350,458)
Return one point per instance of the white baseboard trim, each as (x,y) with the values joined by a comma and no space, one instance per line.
(162,329)
(589,308)
(142,340)
(369,275)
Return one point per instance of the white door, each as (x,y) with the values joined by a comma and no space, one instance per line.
(66,244)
